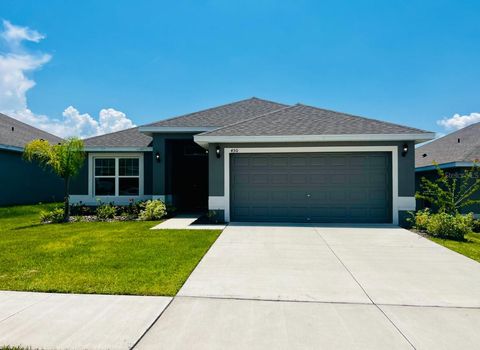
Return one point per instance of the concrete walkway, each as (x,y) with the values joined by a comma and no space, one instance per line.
(307,287)
(185,222)
(73,321)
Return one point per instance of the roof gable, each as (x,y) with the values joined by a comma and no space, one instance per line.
(459,146)
(14,133)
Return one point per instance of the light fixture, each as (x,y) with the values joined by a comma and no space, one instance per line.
(157,157)
(404,150)
(217,151)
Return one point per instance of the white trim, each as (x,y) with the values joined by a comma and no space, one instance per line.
(392,149)
(149,130)
(407,203)
(120,200)
(11,148)
(165,198)
(216,202)
(118,149)
(446,166)
(204,139)
(91,198)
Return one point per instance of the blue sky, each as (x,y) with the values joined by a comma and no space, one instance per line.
(409,62)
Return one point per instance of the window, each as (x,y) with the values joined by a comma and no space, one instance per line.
(117,176)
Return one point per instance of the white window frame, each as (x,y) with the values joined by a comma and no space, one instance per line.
(235,150)
(117,157)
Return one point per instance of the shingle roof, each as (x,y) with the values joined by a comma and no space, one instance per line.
(212,117)
(125,138)
(306,120)
(17,134)
(222,115)
(459,146)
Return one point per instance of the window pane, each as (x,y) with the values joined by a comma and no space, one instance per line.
(128,166)
(105,167)
(128,186)
(105,186)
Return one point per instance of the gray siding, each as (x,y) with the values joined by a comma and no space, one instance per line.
(406,165)
(79,184)
(26,183)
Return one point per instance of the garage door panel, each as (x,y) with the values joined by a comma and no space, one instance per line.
(311,187)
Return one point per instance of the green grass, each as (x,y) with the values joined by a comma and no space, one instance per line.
(470,248)
(95,257)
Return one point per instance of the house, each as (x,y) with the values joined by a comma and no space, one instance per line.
(23,182)
(257,160)
(453,153)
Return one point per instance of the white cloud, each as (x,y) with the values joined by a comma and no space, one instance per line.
(16,64)
(458,121)
(14,35)
(112,120)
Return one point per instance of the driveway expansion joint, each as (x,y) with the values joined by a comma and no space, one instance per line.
(368,296)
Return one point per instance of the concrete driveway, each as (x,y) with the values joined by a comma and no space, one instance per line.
(300,287)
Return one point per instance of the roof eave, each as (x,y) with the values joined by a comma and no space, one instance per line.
(11,148)
(117,149)
(417,138)
(446,166)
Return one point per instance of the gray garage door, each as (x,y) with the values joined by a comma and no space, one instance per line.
(311,187)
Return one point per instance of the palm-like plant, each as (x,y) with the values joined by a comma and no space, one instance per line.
(64,159)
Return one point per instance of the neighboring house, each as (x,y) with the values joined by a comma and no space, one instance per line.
(257,160)
(23,182)
(453,153)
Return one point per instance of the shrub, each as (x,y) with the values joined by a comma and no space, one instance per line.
(420,219)
(455,227)
(154,210)
(105,212)
(476,226)
(52,216)
(132,211)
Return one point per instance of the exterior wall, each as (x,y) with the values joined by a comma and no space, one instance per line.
(432,175)
(26,183)
(406,168)
(79,185)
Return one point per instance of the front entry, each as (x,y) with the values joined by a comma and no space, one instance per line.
(189,175)
(312,187)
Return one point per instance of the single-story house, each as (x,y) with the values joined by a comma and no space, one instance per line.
(257,160)
(23,182)
(453,153)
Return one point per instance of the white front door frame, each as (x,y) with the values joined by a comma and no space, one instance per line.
(232,150)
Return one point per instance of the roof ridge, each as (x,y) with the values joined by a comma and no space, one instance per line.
(29,126)
(361,117)
(212,108)
(247,120)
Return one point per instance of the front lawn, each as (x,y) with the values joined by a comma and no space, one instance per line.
(470,248)
(95,257)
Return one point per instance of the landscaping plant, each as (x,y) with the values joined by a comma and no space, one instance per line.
(51,216)
(64,159)
(154,210)
(449,194)
(105,212)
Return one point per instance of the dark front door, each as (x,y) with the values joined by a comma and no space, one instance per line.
(189,176)
(312,187)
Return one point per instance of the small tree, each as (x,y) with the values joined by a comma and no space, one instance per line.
(64,159)
(448,194)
